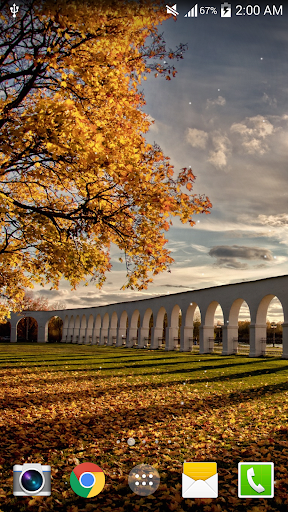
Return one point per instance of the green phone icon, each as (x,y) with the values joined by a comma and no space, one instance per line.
(256,480)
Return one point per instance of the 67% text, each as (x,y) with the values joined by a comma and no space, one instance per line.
(206,10)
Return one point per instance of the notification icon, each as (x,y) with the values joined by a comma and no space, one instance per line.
(172,10)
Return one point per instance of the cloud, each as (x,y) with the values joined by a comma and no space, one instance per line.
(240,251)
(199,248)
(221,143)
(81,301)
(245,234)
(230,263)
(222,149)
(280,220)
(219,101)
(227,255)
(154,127)
(270,101)
(176,286)
(51,294)
(253,133)
(197,138)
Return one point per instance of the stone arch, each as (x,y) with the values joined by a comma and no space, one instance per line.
(146,318)
(231,328)
(70,335)
(190,331)
(218,325)
(159,337)
(54,329)
(146,329)
(174,318)
(258,331)
(134,330)
(114,320)
(210,313)
(262,309)
(97,329)
(173,341)
(104,330)
(82,332)
(76,329)
(112,337)
(207,334)
(135,319)
(122,331)
(89,330)
(27,329)
(274,322)
(65,329)
(244,322)
(160,317)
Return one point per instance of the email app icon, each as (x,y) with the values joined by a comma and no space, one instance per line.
(200,480)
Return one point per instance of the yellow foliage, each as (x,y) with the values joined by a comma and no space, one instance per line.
(76,171)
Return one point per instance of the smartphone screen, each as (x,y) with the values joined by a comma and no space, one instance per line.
(172,396)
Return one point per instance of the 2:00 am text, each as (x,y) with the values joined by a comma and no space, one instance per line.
(255,10)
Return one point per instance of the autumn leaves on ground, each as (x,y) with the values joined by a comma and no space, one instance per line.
(66,404)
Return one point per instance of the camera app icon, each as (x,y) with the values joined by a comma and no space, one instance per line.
(31,480)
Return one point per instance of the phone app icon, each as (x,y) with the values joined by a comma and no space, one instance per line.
(256,480)
(87,480)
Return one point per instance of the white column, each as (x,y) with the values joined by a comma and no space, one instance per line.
(95,335)
(229,332)
(257,334)
(157,332)
(206,332)
(76,334)
(65,334)
(89,336)
(112,334)
(121,335)
(185,342)
(144,333)
(82,336)
(285,340)
(132,333)
(103,334)
(70,334)
(13,334)
(171,333)
(42,334)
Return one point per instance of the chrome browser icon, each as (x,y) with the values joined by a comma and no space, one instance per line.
(87,480)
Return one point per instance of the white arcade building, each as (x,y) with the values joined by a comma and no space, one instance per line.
(129,323)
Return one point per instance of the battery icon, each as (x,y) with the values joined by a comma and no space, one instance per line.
(226,10)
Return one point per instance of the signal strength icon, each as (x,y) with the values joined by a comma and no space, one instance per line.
(193,13)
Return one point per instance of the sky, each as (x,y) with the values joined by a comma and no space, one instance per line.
(225,114)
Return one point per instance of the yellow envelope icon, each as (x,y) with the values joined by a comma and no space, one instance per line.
(200,480)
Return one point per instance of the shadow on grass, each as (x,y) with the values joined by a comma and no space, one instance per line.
(35,398)
(55,439)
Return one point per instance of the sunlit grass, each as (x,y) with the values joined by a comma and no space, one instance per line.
(65,404)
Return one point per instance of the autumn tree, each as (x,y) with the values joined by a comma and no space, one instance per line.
(244,330)
(76,174)
(31,303)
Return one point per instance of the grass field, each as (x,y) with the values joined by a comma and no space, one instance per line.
(67,404)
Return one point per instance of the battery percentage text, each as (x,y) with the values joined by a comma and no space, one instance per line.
(207,10)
